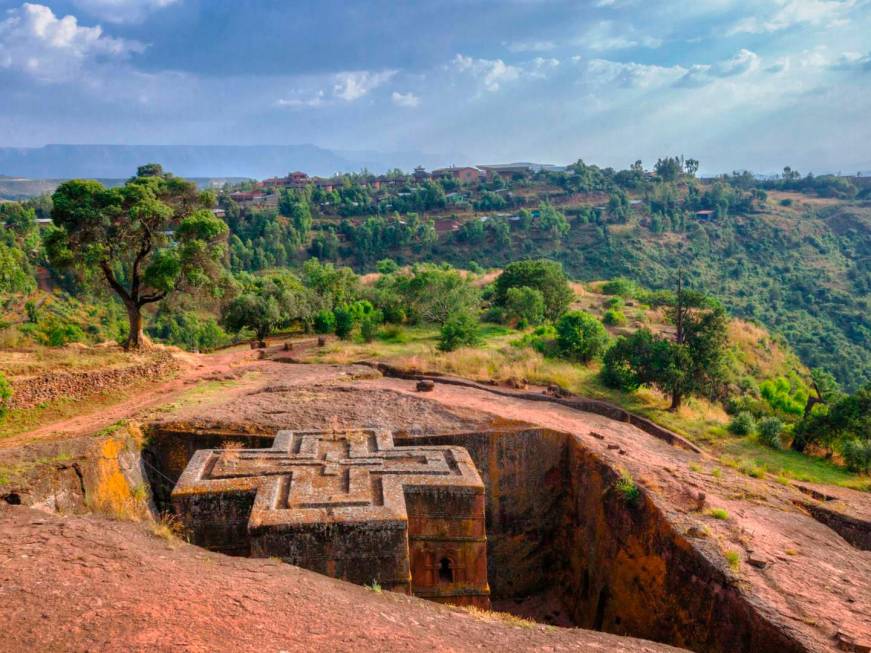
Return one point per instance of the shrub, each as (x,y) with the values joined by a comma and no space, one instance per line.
(619,286)
(32,312)
(393,333)
(628,488)
(325,321)
(734,560)
(718,513)
(743,424)
(525,305)
(58,334)
(387,266)
(542,340)
(344,322)
(545,276)
(459,331)
(857,455)
(5,394)
(616,303)
(580,336)
(769,430)
(613,317)
(369,325)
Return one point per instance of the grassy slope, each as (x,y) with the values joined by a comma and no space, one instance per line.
(753,353)
(801,270)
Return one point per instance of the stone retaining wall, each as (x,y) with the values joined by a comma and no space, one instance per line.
(35,390)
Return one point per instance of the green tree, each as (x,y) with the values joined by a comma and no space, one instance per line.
(268,303)
(258,312)
(344,322)
(580,336)
(433,294)
(690,364)
(552,222)
(545,276)
(525,305)
(460,330)
(148,238)
(670,168)
(848,418)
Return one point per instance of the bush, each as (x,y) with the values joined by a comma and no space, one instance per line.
(628,488)
(613,317)
(58,334)
(619,286)
(580,336)
(459,331)
(616,303)
(857,455)
(369,325)
(387,266)
(325,321)
(743,424)
(769,431)
(525,305)
(5,394)
(344,322)
(545,276)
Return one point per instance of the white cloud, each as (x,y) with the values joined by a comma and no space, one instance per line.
(531,46)
(542,67)
(122,11)
(352,86)
(631,74)
(607,35)
(789,13)
(491,72)
(744,62)
(408,100)
(36,42)
(312,101)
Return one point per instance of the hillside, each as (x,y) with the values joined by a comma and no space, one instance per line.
(796,263)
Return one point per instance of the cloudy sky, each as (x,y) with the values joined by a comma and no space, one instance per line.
(734,83)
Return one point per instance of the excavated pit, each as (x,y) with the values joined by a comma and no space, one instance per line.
(563,546)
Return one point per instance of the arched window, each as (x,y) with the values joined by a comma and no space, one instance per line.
(446,570)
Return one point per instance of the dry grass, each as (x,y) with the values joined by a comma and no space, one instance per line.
(168,528)
(35,359)
(502,617)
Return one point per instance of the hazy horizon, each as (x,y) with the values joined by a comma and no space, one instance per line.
(733,83)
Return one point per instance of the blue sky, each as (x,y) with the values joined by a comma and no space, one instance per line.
(734,83)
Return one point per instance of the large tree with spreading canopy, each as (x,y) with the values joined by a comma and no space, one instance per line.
(153,236)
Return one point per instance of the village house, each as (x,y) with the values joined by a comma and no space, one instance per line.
(464,175)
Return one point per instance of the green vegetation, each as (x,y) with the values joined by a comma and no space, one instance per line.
(580,336)
(733,559)
(690,364)
(5,395)
(770,430)
(673,354)
(153,236)
(743,424)
(459,331)
(628,488)
(718,513)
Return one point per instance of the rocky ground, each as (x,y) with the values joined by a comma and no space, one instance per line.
(87,583)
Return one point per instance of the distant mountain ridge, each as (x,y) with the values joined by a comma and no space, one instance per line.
(256,161)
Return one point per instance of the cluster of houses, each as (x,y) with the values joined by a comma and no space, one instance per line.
(264,194)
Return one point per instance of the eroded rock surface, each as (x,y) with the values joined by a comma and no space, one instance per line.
(91,584)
